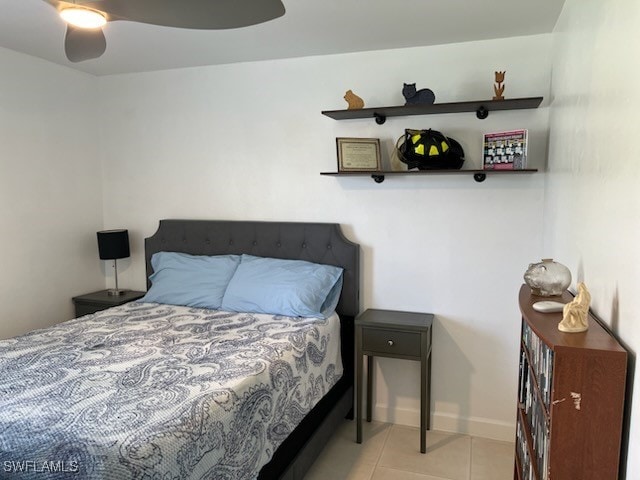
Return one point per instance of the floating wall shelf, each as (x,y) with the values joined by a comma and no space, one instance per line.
(478,175)
(481,107)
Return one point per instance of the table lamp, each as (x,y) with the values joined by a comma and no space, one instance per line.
(112,245)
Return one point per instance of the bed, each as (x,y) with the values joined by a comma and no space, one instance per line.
(38,375)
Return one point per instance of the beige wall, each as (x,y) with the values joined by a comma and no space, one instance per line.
(50,191)
(592,203)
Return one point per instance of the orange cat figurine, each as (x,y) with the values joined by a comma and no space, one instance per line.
(354,101)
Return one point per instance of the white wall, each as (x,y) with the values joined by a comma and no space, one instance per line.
(247,141)
(50,192)
(592,205)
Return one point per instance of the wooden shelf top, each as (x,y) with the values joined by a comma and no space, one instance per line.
(436,108)
(426,172)
(545,326)
(379,176)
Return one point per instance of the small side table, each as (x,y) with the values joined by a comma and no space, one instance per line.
(395,334)
(97,301)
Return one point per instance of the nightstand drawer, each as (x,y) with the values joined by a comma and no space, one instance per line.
(391,342)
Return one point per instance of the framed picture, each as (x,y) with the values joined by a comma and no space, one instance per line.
(505,150)
(358,154)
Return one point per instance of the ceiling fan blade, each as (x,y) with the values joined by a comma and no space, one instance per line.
(195,14)
(81,44)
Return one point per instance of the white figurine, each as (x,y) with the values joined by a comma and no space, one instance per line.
(575,314)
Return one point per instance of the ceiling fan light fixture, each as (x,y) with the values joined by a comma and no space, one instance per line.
(83,17)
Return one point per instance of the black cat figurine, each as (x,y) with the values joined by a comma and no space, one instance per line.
(424,96)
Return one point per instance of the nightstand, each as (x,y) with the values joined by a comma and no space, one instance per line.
(395,334)
(96,301)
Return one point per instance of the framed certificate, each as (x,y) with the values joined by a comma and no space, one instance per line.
(358,154)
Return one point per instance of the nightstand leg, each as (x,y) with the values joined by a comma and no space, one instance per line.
(423,403)
(369,386)
(429,390)
(358,406)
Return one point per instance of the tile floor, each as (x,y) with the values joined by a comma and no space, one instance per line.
(392,452)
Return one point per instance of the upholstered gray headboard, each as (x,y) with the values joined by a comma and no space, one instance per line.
(313,242)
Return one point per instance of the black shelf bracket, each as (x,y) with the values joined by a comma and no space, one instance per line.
(479,177)
(380,118)
(482,113)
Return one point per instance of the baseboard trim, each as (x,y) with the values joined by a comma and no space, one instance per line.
(475,426)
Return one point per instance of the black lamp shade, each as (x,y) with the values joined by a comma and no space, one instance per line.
(113,244)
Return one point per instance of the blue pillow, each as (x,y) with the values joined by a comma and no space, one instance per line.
(190,280)
(331,302)
(294,288)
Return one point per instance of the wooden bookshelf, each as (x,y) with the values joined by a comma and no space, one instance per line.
(576,434)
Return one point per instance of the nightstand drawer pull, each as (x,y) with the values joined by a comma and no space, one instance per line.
(390,342)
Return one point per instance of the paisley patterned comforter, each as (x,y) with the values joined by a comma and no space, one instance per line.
(149,391)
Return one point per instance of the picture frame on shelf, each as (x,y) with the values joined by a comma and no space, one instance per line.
(505,150)
(358,154)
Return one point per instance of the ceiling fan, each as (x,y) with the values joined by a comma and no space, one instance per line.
(84,39)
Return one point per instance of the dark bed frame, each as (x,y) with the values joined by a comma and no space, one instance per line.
(313,242)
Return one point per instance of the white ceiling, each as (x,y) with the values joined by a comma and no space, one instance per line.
(309,27)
